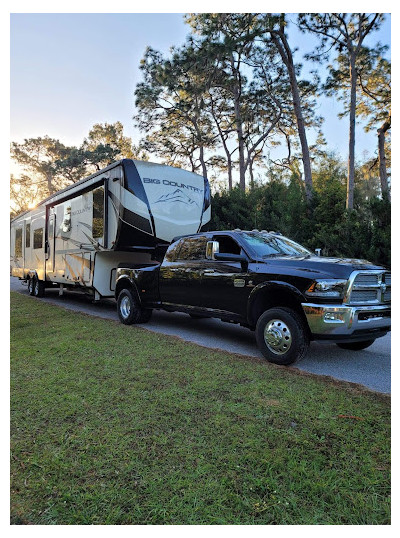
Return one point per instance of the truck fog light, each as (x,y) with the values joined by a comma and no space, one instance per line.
(334,316)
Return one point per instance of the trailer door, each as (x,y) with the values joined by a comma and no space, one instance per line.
(51,240)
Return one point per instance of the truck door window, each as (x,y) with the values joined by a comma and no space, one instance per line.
(227,245)
(193,248)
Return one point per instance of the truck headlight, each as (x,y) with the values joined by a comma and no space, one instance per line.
(331,288)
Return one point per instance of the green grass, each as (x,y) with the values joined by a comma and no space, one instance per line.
(117,425)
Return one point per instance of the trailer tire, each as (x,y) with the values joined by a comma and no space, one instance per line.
(38,287)
(129,310)
(281,336)
(30,286)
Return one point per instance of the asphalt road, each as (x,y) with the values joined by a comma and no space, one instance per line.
(370,367)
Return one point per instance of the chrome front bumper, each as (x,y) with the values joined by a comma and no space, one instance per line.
(341,321)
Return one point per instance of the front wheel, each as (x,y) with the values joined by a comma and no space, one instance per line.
(281,336)
(129,310)
(357,346)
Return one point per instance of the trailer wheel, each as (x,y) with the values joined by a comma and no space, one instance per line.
(30,286)
(38,287)
(281,336)
(129,310)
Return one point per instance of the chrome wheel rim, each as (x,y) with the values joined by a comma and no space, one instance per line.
(277,337)
(125,307)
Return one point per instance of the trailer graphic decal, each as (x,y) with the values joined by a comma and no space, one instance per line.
(177,196)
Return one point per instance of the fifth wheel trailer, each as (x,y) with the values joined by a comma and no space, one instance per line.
(128,212)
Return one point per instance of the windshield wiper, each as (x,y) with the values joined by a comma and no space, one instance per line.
(275,255)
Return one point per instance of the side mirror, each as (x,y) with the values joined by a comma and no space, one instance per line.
(226,257)
(212,248)
(318,251)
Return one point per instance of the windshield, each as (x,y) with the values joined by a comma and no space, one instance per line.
(265,244)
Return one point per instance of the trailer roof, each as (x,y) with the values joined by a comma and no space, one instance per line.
(73,186)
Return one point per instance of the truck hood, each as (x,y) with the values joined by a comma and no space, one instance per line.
(318,267)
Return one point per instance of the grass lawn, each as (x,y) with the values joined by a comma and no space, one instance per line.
(117,425)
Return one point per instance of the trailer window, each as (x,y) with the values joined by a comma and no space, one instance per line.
(98,213)
(51,228)
(66,225)
(18,242)
(28,236)
(38,238)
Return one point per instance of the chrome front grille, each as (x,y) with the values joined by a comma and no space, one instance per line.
(369,287)
(367,279)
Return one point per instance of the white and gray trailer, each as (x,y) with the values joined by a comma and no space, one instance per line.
(124,213)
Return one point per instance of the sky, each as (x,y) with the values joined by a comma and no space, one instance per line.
(69,71)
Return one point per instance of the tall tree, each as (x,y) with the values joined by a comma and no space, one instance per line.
(374,88)
(344,32)
(221,111)
(106,143)
(48,165)
(275,27)
(247,86)
(229,37)
(38,157)
(171,99)
(373,96)
(24,193)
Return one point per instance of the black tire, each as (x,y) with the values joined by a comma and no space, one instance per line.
(281,336)
(30,286)
(38,287)
(129,310)
(356,346)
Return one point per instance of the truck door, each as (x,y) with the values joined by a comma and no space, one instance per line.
(224,285)
(180,275)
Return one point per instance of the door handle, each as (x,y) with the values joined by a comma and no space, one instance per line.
(209,271)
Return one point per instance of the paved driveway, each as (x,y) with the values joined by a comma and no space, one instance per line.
(370,367)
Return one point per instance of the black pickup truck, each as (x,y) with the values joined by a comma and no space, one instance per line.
(266,282)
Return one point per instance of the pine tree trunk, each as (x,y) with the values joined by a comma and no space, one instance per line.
(239,131)
(251,173)
(239,128)
(382,159)
(352,133)
(230,181)
(302,132)
(50,187)
(282,45)
(202,162)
